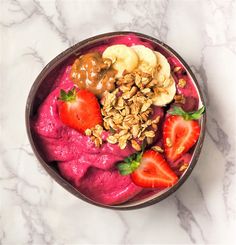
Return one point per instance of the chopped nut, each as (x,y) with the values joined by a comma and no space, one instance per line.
(135,145)
(182,83)
(158,149)
(168,142)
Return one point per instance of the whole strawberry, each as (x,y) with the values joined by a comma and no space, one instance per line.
(79,109)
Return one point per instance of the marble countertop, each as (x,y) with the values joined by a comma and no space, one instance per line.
(36,210)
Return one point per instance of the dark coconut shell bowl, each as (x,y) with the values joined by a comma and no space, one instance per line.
(41,88)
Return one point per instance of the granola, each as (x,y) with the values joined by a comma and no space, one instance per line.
(127,110)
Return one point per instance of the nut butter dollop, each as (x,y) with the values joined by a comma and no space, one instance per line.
(92,72)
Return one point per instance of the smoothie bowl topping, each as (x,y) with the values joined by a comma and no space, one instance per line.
(120,122)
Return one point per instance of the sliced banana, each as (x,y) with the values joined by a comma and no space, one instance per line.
(147,58)
(123,58)
(162,69)
(166,94)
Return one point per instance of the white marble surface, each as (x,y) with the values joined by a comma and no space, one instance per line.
(36,210)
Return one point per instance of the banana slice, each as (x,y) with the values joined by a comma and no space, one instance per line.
(166,94)
(147,58)
(163,69)
(123,58)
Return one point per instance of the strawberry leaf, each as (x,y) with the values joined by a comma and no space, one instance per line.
(197,114)
(69,96)
(194,115)
(124,168)
(132,162)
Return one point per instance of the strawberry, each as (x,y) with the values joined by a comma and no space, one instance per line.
(79,109)
(149,170)
(180,132)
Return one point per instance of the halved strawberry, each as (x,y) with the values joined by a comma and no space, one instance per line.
(180,132)
(154,171)
(79,109)
(149,170)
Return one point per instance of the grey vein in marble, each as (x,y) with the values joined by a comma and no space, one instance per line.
(188,221)
(33,202)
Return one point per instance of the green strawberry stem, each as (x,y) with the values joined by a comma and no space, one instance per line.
(69,96)
(132,162)
(194,115)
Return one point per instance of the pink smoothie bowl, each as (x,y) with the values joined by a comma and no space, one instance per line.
(45,82)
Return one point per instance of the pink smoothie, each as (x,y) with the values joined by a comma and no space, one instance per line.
(76,154)
(90,169)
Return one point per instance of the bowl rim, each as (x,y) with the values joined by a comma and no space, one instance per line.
(59,179)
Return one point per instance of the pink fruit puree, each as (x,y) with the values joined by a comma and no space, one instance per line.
(91,170)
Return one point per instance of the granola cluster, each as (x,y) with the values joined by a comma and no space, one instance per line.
(95,134)
(126,111)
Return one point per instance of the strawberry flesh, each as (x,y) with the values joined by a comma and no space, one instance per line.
(154,172)
(81,111)
(179,136)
